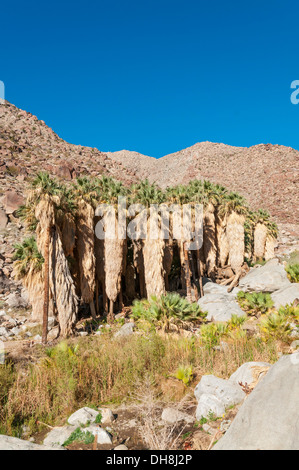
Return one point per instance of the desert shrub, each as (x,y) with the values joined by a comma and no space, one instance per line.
(167,311)
(276,326)
(293,272)
(255,302)
(185,374)
(79,436)
(90,372)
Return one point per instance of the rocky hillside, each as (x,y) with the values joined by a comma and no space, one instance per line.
(267,175)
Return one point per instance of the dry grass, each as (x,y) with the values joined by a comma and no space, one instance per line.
(101,370)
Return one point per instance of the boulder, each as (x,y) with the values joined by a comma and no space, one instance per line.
(213,288)
(107,416)
(268,278)
(220,306)
(83,416)
(285,296)
(11,201)
(249,372)
(172,416)
(16,301)
(126,330)
(208,404)
(12,443)
(3,219)
(228,393)
(121,447)
(268,418)
(103,437)
(58,436)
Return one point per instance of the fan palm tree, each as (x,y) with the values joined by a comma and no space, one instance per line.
(234,210)
(46,197)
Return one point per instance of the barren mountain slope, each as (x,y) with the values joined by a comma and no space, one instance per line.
(267,175)
(28,145)
(134,161)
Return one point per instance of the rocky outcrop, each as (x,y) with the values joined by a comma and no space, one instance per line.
(268,419)
(268,278)
(285,296)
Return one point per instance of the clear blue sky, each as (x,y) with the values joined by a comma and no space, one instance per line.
(155,76)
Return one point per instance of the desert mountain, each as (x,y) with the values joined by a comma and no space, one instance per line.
(267,175)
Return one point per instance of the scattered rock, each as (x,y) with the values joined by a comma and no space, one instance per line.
(285,296)
(59,435)
(103,436)
(12,201)
(121,447)
(12,443)
(126,330)
(107,416)
(208,404)
(83,416)
(249,373)
(220,306)
(172,416)
(3,219)
(268,278)
(227,392)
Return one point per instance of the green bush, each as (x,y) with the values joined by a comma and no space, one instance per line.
(255,302)
(167,311)
(293,272)
(276,326)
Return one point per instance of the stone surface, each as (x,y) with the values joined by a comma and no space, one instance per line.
(3,219)
(126,330)
(172,416)
(83,416)
(228,393)
(121,447)
(248,372)
(268,419)
(107,416)
(268,278)
(220,306)
(12,443)
(208,404)
(103,436)
(285,296)
(59,435)
(12,201)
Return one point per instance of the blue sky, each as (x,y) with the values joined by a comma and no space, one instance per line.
(154,76)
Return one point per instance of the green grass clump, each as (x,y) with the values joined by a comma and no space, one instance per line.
(293,272)
(167,311)
(255,302)
(79,436)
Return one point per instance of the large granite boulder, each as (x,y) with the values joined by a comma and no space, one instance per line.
(220,306)
(268,418)
(249,373)
(285,296)
(268,278)
(12,443)
(12,201)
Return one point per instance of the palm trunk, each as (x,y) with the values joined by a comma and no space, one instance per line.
(46,286)
(187,273)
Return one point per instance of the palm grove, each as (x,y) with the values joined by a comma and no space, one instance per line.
(65,267)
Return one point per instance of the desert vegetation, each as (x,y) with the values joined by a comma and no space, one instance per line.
(64,265)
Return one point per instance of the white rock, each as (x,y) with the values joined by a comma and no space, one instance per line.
(126,330)
(83,416)
(12,443)
(268,278)
(103,436)
(59,435)
(225,391)
(121,447)
(107,416)
(285,296)
(220,306)
(208,404)
(246,373)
